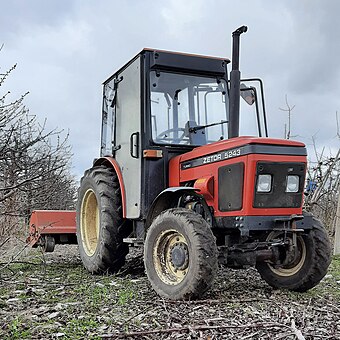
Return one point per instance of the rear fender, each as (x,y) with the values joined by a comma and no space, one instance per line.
(111,162)
(169,198)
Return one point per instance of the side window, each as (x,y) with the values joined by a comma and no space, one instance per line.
(108,119)
(161,112)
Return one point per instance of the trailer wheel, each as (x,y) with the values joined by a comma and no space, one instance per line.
(100,225)
(48,244)
(307,266)
(180,254)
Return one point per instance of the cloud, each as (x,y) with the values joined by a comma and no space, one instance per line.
(182,16)
(65,49)
(315,46)
(19,16)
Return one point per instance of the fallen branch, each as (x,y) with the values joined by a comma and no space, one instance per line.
(22,262)
(8,282)
(192,328)
(4,242)
(250,336)
(317,309)
(139,313)
(296,331)
(14,257)
(195,302)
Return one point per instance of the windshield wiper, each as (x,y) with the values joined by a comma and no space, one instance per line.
(201,127)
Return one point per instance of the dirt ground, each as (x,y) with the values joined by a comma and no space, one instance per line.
(51,296)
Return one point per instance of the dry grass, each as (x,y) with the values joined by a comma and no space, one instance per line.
(52,296)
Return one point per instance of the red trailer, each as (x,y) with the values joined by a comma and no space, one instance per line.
(50,227)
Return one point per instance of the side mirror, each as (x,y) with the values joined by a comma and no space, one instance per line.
(247,94)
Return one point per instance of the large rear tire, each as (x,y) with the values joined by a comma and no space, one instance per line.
(100,224)
(306,269)
(180,254)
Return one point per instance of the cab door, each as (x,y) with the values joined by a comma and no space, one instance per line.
(121,131)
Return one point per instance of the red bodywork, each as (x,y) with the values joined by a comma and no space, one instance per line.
(50,222)
(206,175)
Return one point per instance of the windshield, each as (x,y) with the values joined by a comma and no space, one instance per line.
(183,105)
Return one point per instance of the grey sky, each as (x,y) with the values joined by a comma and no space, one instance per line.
(65,49)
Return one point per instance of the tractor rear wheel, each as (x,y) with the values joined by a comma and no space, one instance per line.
(100,224)
(180,254)
(307,266)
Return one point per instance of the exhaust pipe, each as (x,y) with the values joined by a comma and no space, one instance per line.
(235,76)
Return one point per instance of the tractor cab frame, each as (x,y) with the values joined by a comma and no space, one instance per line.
(160,105)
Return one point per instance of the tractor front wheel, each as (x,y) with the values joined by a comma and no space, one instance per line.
(100,224)
(180,254)
(305,267)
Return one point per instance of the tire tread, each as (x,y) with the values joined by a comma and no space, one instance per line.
(313,271)
(205,246)
(111,254)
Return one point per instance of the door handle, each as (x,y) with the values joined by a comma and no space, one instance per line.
(134,145)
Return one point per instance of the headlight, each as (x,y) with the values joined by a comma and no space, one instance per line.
(292,183)
(264,183)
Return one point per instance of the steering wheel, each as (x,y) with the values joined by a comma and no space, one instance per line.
(163,135)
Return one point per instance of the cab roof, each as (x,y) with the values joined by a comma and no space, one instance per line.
(184,62)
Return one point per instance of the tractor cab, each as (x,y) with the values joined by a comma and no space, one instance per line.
(162,104)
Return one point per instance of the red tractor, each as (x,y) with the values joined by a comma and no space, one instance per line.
(175,175)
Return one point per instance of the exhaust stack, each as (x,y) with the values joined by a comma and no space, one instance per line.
(235,76)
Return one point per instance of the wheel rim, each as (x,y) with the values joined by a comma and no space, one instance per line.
(171,257)
(89,222)
(294,266)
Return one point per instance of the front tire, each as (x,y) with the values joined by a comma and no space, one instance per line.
(100,224)
(180,254)
(307,269)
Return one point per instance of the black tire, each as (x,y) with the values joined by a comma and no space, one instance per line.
(100,224)
(180,254)
(49,244)
(310,267)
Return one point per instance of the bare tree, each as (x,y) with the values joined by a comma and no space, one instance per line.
(34,165)
(323,178)
(288,109)
(323,186)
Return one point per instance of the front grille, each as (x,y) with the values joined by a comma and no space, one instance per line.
(277,197)
(230,187)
